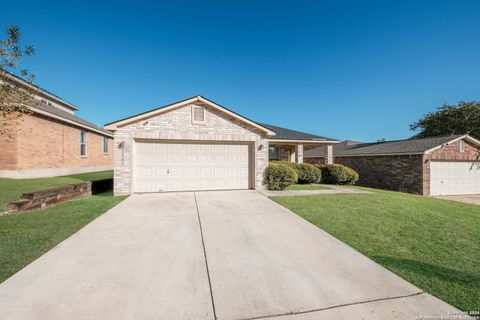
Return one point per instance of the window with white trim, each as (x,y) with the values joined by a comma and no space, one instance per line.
(105,144)
(83,143)
(198,115)
(461,146)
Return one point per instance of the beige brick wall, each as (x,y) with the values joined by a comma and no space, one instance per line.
(43,143)
(177,125)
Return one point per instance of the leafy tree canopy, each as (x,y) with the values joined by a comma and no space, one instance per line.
(14,98)
(450,119)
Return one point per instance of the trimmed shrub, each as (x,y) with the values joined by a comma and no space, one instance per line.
(279,176)
(308,173)
(291,165)
(338,174)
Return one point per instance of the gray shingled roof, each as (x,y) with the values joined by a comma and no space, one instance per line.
(280,133)
(409,146)
(56,111)
(288,134)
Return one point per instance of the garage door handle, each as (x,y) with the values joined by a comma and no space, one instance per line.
(168,171)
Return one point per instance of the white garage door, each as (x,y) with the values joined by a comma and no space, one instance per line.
(190,166)
(454,177)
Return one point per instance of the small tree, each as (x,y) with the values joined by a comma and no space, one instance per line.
(14,98)
(450,119)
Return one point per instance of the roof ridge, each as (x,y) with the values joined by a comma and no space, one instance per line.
(416,139)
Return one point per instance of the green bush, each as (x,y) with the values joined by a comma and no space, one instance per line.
(308,173)
(279,176)
(305,173)
(338,174)
(291,165)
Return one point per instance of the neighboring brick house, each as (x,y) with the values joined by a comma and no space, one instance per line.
(430,166)
(52,140)
(196,144)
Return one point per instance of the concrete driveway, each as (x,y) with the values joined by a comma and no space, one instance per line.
(466,198)
(206,255)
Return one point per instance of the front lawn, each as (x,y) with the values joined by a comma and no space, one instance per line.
(432,243)
(306,187)
(26,236)
(12,189)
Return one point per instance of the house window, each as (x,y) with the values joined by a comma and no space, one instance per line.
(198,115)
(83,143)
(105,145)
(461,146)
(273,153)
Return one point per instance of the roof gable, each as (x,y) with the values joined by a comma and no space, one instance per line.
(149,114)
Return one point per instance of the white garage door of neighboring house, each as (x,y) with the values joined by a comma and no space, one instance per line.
(454,177)
(190,166)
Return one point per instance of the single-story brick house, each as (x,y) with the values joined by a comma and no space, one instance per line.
(52,140)
(197,144)
(430,166)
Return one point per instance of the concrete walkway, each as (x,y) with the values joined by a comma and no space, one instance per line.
(206,255)
(332,189)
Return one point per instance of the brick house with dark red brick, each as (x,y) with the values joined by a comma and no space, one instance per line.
(52,140)
(430,166)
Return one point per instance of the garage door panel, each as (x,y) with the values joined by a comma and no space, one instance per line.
(205,158)
(454,177)
(232,172)
(143,172)
(192,159)
(204,172)
(190,172)
(189,166)
(160,158)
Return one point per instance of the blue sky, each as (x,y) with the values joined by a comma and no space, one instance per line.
(360,70)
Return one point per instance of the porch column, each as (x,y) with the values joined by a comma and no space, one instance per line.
(293,154)
(328,153)
(299,153)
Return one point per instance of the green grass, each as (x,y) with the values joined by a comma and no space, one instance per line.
(26,236)
(12,189)
(432,243)
(306,187)
(93,176)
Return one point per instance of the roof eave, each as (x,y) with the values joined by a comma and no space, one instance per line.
(51,115)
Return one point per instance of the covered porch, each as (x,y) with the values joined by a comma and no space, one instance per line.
(292,151)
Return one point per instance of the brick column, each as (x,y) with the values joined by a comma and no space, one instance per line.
(299,153)
(328,152)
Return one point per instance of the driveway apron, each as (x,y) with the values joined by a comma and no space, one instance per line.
(232,255)
(141,260)
(266,262)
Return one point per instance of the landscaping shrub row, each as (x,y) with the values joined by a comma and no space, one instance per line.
(281,174)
